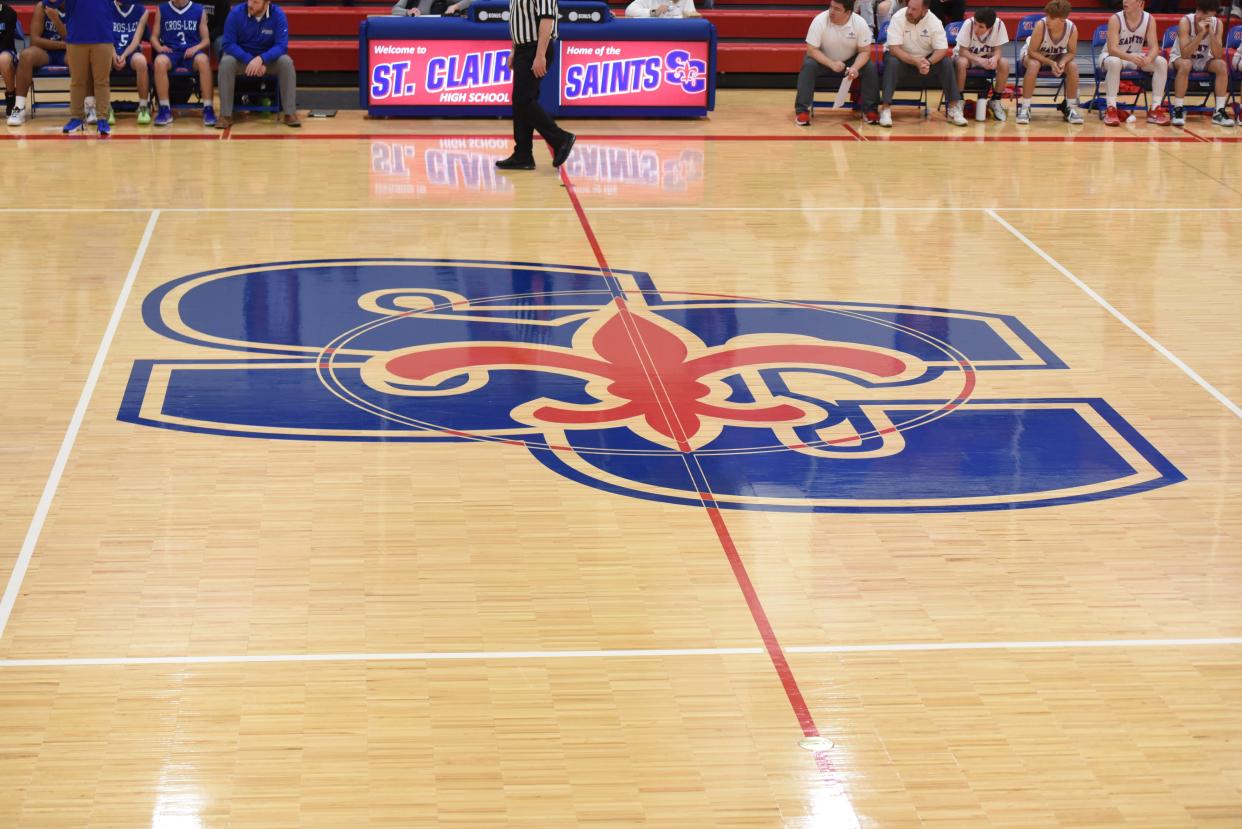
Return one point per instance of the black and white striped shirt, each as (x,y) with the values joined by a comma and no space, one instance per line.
(524,17)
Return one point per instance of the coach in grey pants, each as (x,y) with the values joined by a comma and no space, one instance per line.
(256,42)
(838,45)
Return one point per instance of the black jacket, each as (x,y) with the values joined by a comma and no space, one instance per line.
(8,29)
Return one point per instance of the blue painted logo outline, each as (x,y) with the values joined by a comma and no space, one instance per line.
(137,389)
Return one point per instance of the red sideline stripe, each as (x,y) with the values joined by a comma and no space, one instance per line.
(344,136)
(1041,139)
(771,644)
(131,136)
(854,136)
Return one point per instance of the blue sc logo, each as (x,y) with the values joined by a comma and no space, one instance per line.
(690,73)
(769,404)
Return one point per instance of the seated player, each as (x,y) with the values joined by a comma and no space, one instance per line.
(47,48)
(128,28)
(1051,46)
(180,39)
(838,44)
(1133,45)
(917,54)
(8,55)
(1198,48)
(980,44)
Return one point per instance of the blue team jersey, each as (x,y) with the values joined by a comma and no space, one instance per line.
(125,24)
(49,28)
(179,27)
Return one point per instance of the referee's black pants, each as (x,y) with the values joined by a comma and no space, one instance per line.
(528,115)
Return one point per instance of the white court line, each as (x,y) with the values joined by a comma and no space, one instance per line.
(443,656)
(1147,338)
(71,434)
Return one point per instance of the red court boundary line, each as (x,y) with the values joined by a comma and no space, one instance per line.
(18,136)
(853,136)
(760,617)
(1040,139)
(1197,135)
(261,136)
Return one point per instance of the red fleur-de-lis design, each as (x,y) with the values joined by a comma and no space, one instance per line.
(641,370)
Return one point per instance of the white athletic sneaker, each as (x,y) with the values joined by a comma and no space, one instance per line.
(1222,119)
(17,117)
(1024,114)
(998,109)
(91,115)
(955,115)
(1073,116)
(886,118)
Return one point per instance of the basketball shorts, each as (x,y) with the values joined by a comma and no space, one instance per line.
(129,63)
(1197,64)
(959,50)
(180,61)
(1127,66)
(1022,56)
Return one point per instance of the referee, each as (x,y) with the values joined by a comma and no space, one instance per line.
(532,24)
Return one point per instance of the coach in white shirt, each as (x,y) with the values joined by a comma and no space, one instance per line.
(917,55)
(838,45)
(666,9)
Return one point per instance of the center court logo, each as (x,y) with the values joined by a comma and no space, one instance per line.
(768,404)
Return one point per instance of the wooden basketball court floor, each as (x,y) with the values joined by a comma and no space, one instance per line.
(1036,623)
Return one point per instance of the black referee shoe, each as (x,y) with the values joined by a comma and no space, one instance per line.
(562,152)
(513,162)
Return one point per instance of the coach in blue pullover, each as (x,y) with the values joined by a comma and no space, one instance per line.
(256,41)
(89,53)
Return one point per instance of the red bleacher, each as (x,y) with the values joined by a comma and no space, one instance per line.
(752,40)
